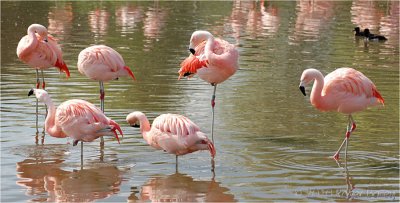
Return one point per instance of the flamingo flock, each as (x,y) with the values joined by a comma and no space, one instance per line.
(214,60)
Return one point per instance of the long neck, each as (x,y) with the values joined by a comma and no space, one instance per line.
(32,42)
(316,97)
(144,126)
(208,50)
(50,125)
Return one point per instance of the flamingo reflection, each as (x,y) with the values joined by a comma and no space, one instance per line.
(389,25)
(127,17)
(98,22)
(348,178)
(179,187)
(60,21)
(312,16)
(364,14)
(44,178)
(154,23)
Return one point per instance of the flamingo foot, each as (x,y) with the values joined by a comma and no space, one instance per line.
(37,85)
(43,85)
(336,156)
(213,103)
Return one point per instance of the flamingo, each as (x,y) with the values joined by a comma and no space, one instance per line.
(172,133)
(213,59)
(40,50)
(102,63)
(344,90)
(77,119)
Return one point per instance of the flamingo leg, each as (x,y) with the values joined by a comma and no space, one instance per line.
(44,126)
(43,83)
(81,155)
(176,163)
(350,127)
(213,105)
(102,94)
(37,79)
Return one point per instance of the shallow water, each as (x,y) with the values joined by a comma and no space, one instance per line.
(272,145)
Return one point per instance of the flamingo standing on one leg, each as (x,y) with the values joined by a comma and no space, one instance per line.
(40,50)
(344,90)
(213,59)
(172,133)
(75,118)
(102,63)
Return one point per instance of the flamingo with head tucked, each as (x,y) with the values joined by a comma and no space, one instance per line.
(40,50)
(102,63)
(76,118)
(344,90)
(172,133)
(213,59)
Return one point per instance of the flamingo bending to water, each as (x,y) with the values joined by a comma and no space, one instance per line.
(40,50)
(344,90)
(76,118)
(102,63)
(172,133)
(213,59)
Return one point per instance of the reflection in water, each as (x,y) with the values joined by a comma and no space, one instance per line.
(365,14)
(98,22)
(183,188)
(154,23)
(348,178)
(312,17)
(253,18)
(60,21)
(127,17)
(43,177)
(389,25)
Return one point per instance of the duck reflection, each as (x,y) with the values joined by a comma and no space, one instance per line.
(127,17)
(43,177)
(180,187)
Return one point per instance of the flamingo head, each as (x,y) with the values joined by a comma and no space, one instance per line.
(40,30)
(40,94)
(133,119)
(204,144)
(198,37)
(308,76)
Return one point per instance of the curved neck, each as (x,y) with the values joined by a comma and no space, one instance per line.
(32,42)
(208,49)
(51,128)
(144,125)
(316,97)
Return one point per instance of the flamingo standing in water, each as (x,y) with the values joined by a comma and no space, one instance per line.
(172,133)
(78,119)
(40,50)
(344,90)
(213,59)
(102,63)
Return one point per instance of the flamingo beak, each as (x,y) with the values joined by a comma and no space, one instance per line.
(30,92)
(135,125)
(303,90)
(192,51)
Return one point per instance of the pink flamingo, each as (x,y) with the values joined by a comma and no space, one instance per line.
(172,133)
(75,118)
(213,59)
(40,50)
(102,63)
(344,90)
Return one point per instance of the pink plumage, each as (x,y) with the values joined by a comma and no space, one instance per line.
(344,90)
(173,133)
(78,119)
(102,63)
(214,59)
(40,50)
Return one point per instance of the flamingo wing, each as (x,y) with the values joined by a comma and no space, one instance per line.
(349,81)
(175,125)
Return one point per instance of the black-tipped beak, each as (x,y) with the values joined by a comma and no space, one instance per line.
(30,92)
(46,40)
(136,125)
(303,90)
(192,51)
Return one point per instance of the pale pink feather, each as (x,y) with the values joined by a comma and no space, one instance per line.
(217,66)
(100,62)
(34,51)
